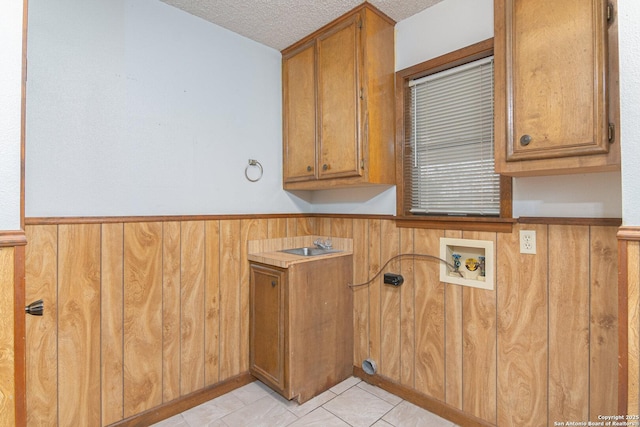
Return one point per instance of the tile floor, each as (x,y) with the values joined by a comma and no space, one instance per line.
(350,403)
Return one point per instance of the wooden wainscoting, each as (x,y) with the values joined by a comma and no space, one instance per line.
(541,347)
(633,331)
(629,243)
(138,314)
(7,358)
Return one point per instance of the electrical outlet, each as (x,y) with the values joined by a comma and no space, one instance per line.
(393,279)
(527,241)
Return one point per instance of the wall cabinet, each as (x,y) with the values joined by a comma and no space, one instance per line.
(556,87)
(338,102)
(301,326)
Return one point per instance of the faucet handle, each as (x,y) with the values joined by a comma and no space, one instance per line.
(323,244)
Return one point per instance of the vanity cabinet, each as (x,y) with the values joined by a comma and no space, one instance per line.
(556,90)
(268,317)
(301,325)
(338,104)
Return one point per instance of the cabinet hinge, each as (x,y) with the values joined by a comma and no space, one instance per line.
(609,12)
(612,133)
(360,23)
(361,93)
(362,164)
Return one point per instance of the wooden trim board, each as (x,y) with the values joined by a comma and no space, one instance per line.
(432,405)
(186,402)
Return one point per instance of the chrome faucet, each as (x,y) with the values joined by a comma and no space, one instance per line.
(323,245)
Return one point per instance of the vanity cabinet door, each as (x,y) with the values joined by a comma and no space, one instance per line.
(267,318)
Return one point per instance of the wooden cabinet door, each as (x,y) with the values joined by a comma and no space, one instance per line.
(339,90)
(556,56)
(299,132)
(267,325)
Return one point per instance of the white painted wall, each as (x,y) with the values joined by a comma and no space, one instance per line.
(594,195)
(137,108)
(454,24)
(377,199)
(10,111)
(629,32)
(447,26)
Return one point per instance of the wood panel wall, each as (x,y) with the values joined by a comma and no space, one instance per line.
(541,347)
(633,326)
(138,314)
(7,359)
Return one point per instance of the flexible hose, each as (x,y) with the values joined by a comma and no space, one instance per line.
(413,255)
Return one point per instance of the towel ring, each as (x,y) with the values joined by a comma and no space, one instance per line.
(253,162)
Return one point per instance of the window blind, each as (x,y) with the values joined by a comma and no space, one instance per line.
(449,160)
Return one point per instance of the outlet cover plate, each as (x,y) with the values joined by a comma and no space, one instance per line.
(527,241)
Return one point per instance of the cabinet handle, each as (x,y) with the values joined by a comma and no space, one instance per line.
(309,168)
(273,283)
(525,140)
(325,167)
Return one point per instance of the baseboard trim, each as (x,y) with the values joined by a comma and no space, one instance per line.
(432,405)
(189,401)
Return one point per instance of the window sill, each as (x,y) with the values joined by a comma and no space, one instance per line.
(496,225)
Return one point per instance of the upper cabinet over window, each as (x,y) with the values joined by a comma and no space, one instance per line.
(338,101)
(556,100)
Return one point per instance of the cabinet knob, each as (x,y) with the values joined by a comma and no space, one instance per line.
(325,167)
(273,283)
(309,168)
(525,140)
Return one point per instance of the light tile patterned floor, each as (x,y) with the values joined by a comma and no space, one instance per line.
(350,403)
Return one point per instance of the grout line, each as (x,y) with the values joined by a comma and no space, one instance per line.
(179,332)
(548,325)
(101,298)
(219,311)
(204,305)
(122,319)
(463,290)
(497,301)
(58,322)
(162,381)
(590,338)
(444,326)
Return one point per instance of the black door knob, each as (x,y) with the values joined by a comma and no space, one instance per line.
(36,308)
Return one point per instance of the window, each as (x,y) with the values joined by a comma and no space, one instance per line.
(450,155)
(446,153)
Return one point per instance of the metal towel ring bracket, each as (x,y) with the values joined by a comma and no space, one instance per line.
(253,162)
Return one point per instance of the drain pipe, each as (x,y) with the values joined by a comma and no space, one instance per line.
(369,366)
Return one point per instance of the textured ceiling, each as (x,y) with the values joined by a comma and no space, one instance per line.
(280,23)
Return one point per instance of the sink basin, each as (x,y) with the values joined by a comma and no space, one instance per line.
(310,251)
